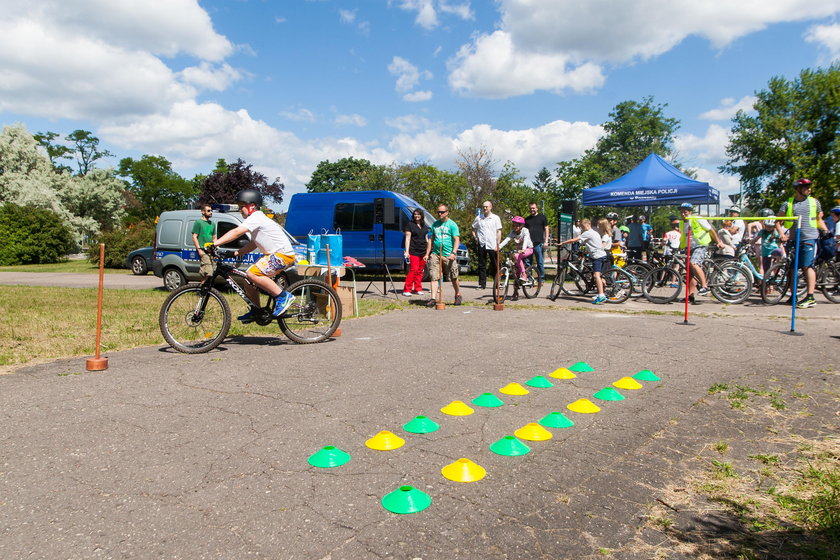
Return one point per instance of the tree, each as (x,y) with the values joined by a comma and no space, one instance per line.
(346,174)
(98,196)
(32,235)
(54,151)
(793,134)
(512,194)
(221,186)
(634,131)
(478,168)
(154,187)
(86,149)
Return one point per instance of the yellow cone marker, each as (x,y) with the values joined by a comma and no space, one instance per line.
(627,383)
(457,408)
(385,441)
(584,406)
(563,373)
(533,432)
(513,389)
(463,470)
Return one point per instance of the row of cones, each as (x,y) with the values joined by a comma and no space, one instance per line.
(407,499)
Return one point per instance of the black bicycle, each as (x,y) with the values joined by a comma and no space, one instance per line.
(196,317)
(507,279)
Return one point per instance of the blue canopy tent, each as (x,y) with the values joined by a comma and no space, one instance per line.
(654,182)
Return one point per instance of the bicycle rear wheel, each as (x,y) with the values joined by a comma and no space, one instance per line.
(531,286)
(662,285)
(775,284)
(618,285)
(637,272)
(584,280)
(194,320)
(731,283)
(314,314)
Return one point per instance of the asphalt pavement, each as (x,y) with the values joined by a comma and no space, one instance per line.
(166,455)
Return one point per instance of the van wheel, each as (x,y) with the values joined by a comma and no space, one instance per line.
(173,279)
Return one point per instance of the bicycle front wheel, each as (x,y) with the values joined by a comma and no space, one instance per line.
(531,286)
(775,284)
(557,283)
(193,319)
(314,314)
(662,285)
(637,272)
(503,285)
(731,283)
(618,285)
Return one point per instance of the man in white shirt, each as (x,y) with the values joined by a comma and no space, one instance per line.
(487,231)
(735,214)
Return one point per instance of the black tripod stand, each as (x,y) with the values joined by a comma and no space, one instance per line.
(386,272)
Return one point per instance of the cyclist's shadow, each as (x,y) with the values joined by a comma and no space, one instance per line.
(248,340)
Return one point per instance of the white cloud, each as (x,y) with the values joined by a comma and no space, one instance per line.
(303,115)
(207,76)
(417,96)
(350,17)
(353,120)
(729,107)
(575,39)
(95,59)
(827,37)
(408,123)
(710,149)
(427,13)
(494,67)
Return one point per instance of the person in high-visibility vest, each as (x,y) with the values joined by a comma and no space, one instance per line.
(702,233)
(808,209)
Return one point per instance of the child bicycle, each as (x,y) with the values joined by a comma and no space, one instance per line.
(196,317)
(507,277)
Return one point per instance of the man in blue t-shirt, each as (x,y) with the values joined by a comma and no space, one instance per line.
(647,233)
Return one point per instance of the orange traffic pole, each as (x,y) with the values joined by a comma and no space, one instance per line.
(97,363)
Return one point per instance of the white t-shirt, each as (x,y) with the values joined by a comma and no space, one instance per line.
(738,235)
(485,229)
(267,234)
(594,243)
(673,238)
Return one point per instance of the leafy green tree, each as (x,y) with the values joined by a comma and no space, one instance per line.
(32,235)
(634,131)
(96,196)
(346,174)
(54,151)
(86,149)
(793,134)
(222,185)
(431,186)
(154,187)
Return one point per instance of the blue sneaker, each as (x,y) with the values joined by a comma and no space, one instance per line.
(249,317)
(282,303)
(599,300)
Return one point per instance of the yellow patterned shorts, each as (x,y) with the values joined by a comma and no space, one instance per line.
(269,265)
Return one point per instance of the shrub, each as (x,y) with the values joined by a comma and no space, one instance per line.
(32,236)
(120,242)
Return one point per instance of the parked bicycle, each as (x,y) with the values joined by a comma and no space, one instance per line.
(777,281)
(196,317)
(728,281)
(575,278)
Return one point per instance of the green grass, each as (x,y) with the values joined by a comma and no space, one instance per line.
(82,265)
(41,324)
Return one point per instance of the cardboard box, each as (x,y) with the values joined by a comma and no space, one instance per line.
(348,300)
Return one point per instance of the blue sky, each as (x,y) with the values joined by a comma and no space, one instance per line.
(286,84)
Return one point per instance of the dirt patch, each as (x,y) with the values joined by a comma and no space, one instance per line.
(753,471)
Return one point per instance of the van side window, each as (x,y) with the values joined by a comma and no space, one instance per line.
(170,231)
(224,227)
(353,216)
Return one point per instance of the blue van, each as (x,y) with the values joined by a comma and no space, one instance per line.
(359,218)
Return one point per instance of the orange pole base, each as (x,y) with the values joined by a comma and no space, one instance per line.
(440,306)
(498,307)
(96,364)
(337,332)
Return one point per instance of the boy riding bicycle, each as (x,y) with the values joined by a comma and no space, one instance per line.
(594,244)
(278,253)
